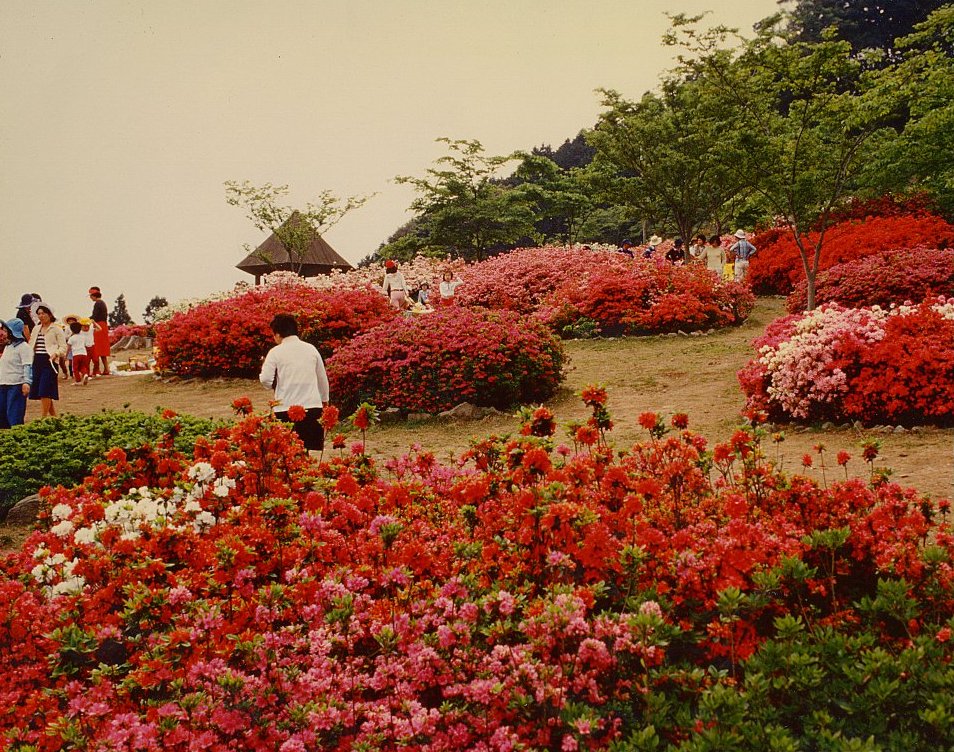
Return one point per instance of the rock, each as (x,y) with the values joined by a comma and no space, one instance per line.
(900,429)
(695,334)
(463,410)
(419,416)
(122,344)
(390,416)
(827,426)
(486,412)
(681,333)
(858,425)
(24,512)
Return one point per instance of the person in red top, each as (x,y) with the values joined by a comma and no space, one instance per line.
(99,357)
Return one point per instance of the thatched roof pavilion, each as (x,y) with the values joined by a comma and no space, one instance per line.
(319,258)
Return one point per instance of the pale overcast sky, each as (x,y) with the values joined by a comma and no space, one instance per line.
(121,119)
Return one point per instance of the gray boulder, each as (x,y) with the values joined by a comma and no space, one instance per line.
(24,512)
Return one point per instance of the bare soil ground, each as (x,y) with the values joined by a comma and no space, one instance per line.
(694,375)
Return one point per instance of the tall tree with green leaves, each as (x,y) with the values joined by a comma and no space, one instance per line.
(561,199)
(922,158)
(463,207)
(805,118)
(265,208)
(667,147)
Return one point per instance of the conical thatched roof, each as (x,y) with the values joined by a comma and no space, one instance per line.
(270,256)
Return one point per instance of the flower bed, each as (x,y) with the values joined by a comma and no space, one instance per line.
(231,337)
(647,297)
(867,364)
(434,361)
(897,276)
(777,267)
(529,598)
(116,333)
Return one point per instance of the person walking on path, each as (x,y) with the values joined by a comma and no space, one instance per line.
(48,343)
(99,357)
(24,314)
(295,370)
(16,374)
(743,250)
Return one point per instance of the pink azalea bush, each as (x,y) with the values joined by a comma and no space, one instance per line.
(868,364)
(116,333)
(432,362)
(520,598)
(562,286)
(230,337)
(896,276)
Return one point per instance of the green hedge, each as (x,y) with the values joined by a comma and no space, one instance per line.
(61,450)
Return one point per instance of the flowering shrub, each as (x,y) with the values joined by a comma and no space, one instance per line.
(522,279)
(432,362)
(868,364)
(896,276)
(231,337)
(647,297)
(62,449)
(777,267)
(130,330)
(524,599)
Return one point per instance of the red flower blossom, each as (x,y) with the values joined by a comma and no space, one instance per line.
(680,421)
(169,414)
(648,420)
(296,413)
(329,417)
(338,441)
(806,460)
(242,406)
(843,457)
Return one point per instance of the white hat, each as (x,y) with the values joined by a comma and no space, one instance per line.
(655,240)
(740,234)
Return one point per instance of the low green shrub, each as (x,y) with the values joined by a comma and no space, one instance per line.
(62,450)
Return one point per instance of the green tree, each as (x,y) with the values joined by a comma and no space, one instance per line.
(922,158)
(806,117)
(667,148)
(463,208)
(560,199)
(119,316)
(263,206)
(865,24)
(148,316)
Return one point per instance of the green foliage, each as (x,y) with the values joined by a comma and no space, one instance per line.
(119,315)
(806,119)
(149,315)
(62,450)
(669,149)
(463,208)
(922,86)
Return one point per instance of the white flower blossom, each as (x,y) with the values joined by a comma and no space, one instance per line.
(61,511)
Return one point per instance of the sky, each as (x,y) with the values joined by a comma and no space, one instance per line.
(120,120)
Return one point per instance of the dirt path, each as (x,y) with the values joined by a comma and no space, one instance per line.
(695,375)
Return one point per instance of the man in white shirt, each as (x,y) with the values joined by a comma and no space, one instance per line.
(295,370)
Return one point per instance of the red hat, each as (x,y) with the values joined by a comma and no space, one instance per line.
(389,264)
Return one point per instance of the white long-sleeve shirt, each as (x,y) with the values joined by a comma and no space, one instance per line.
(297,372)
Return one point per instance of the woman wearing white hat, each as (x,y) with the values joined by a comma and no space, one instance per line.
(650,249)
(743,250)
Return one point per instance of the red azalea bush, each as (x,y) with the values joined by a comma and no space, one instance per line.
(777,267)
(129,330)
(525,598)
(897,276)
(648,297)
(432,362)
(857,364)
(231,337)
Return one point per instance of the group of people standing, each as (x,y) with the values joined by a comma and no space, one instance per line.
(402,297)
(37,351)
(730,263)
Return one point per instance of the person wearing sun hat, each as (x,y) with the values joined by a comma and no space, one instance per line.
(16,374)
(24,314)
(742,250)
(650,250)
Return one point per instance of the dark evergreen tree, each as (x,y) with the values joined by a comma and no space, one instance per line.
(865,24)
(152,306)
(119,315)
